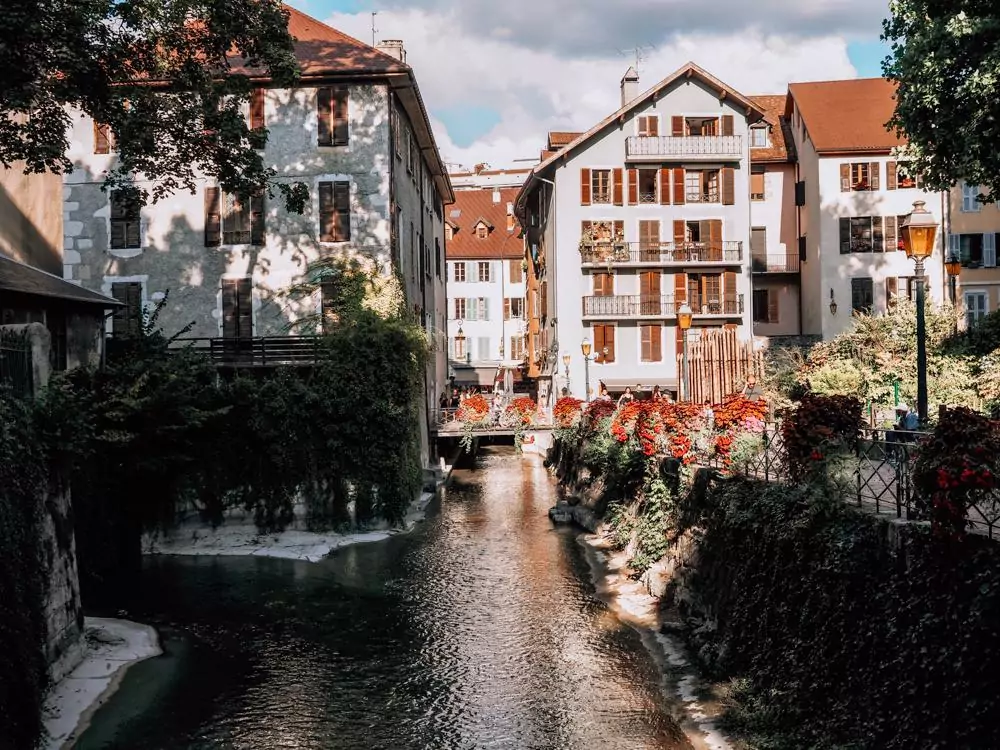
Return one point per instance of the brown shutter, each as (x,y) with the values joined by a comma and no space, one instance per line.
(845,235)
(609,342)
(213,219)
(341,131)
(728,186)
(603,284)
(646,344)
(342,210)
(677,126)
(257,219)
(664,186)
(680,289)
(727,124)
(324,112)
(633,187)
(715,239)
(890,175)
(585,187)
(102,138)
(618,191)
(878,236)
(327,230)
(230,308)
(772,306)
(874,175)
(256,109)
(730,293)
(678,186)
(680,233)
(656,341)
(133,236)
(543,296)
(653,126)
(845,178)
(891,236)
(891,292)
(244,320)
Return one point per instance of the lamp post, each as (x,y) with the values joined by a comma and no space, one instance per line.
(918,232)
(954,267)
(585,348)
(684,323)
(566,369)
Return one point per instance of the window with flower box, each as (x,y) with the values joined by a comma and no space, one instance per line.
(859,176)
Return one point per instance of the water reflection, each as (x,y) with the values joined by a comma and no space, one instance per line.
(480,630)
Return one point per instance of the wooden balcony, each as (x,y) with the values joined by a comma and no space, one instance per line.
(259,351)
(660,254)
(645,148)
(780,263)
(652,307)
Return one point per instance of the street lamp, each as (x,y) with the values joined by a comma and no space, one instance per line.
(954,267)
(566,369)
(684,323)
(918,232)
(585,348)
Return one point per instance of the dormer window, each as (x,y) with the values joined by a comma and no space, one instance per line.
(758,136)
(482,232)
(449,232)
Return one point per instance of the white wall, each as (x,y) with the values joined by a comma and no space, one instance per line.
(776,215)
(496,329)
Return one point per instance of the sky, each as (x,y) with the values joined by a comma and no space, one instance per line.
(497,75)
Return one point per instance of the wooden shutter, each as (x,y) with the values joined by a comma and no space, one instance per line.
(213,217)
(891,234)
(714,239)
(891,181)
(232,317)
(678,186)
(845,178)
(772,306)
(341,130)
(680,233)
(330,292)
(652,336)
(878,236)
(244,291)
(649,283)
(845,235)
(257,109)
(127,320)
(677,126)
(633,187)
(324,112)
(617,187)
(727,124)
(327,228)
(603,284)
(874,175)
(730,291)
(342,210)
(585,187)
(728,186)
(133,234)
(665,186)
(891,291)
(680,289)
(609,342)
(102,138)
(653,125)
(989,250)
(257,219)
(649,233)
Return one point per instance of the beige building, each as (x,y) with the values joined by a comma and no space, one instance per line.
(972,228)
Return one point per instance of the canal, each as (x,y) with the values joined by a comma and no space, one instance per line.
(481,629)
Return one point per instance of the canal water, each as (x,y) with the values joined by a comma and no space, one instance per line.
(481,629)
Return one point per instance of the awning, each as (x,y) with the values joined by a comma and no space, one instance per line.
(479,376)
(20,278)
(643,385)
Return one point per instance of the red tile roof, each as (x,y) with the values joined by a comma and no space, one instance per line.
(844,116)
(469,208)
(560,138)
(782,145)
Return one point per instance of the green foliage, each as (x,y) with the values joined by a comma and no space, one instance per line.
(100,57)
(816,428)
(944,59)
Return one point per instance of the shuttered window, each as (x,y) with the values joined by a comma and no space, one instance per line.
(330,290)
(230,220)
(765,306)
(256,109)
(104,139)
(649,125)
(335,211)
(652,343)
(859,176)
(862,295)
(127,320)
(332,109)
(757,182)
(125,225)
(604,284)
(604,338)
(516,271)
(460,308)
(459,271)
(237,308)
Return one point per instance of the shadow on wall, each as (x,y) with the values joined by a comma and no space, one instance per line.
(31,219)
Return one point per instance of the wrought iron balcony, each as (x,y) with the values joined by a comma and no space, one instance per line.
(660,306)
(259,351)
(684,148)
(596,254)
(780,263)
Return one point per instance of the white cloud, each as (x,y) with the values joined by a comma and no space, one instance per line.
(536,90)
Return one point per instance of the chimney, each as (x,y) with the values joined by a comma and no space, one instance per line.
(393,48)
(630,86)
(496,195)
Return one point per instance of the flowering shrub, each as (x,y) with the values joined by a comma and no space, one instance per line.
(734,416)
(521,410)
(818,424)
(567,412)
(957,467)
(474,412)
(595,412)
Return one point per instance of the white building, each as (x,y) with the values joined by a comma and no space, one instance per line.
(646,211)
(483,177)
(853,195)
(486,289)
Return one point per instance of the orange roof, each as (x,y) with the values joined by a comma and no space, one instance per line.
(847,115)
(560,138)
(471,207)
(782,146)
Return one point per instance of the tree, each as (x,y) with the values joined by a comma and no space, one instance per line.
(946,60)
(169,78)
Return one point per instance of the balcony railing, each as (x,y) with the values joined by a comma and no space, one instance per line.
(661,253)
(688,148)
(780,263)
(660,306)
(260,351)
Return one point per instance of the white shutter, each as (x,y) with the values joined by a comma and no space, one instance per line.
(989,250)
(485,312)
(954,245)
(472,308)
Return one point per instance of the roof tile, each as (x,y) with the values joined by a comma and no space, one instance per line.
(478,205)
(847,115)
(782,146)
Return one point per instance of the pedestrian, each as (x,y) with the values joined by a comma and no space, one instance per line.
(657,395)
(627,397)
(604,395)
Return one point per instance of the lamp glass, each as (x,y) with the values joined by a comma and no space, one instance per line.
(833,307)
(684,317)
(566,358)
(585,347)
(918,232)
(953,266)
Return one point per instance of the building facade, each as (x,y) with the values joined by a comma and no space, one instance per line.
(646,212)
(973,228)
(852,194)
(482,177)
(486,289)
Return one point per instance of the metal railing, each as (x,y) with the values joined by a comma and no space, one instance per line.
(658,306)
(776,263)
(446,420)
(16,366)
(698,146)
(258,351)
(655,253)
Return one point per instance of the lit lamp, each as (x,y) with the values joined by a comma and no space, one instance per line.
(585,348)
(684,323)
(566,366)
(954,267)
(918,232)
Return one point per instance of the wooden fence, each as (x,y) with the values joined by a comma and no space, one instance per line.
(720,364)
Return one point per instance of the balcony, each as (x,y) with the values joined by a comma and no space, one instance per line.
(260,351)
(642,306)
(660,254)
(781,263)
(662,148)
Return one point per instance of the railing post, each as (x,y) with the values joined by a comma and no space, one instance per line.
(767,456)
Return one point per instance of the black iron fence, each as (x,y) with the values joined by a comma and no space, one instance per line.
(259,351)
(16,367)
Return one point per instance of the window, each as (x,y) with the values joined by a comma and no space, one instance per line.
(237,308)
(482,231)
(862,295)
(649,180)
(104,139)
(757,182)
(758,248)
(600,186)
(484,271)
(758,136)
(437,257)
(477,308)
(459,272)
(695,126)
(970,195)
(127,320)
(603,338)
(330,302)
(898,176)
(604,284)
(412,166)
(125,227)
(332,109)
(458,347)
(648,125)
(335,211)
(976,307)
(459,308)
(397,132)
(974,250)
(255,113)
(516,271)
(652,343)
(513,308)
(701,185)
(484,348)
(860,175)
(448,232)
(704,291)
(862,234)
(765,306)
(517,347)
(230,220)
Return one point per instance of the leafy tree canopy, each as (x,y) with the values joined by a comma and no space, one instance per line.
(167,77)
(946,60)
